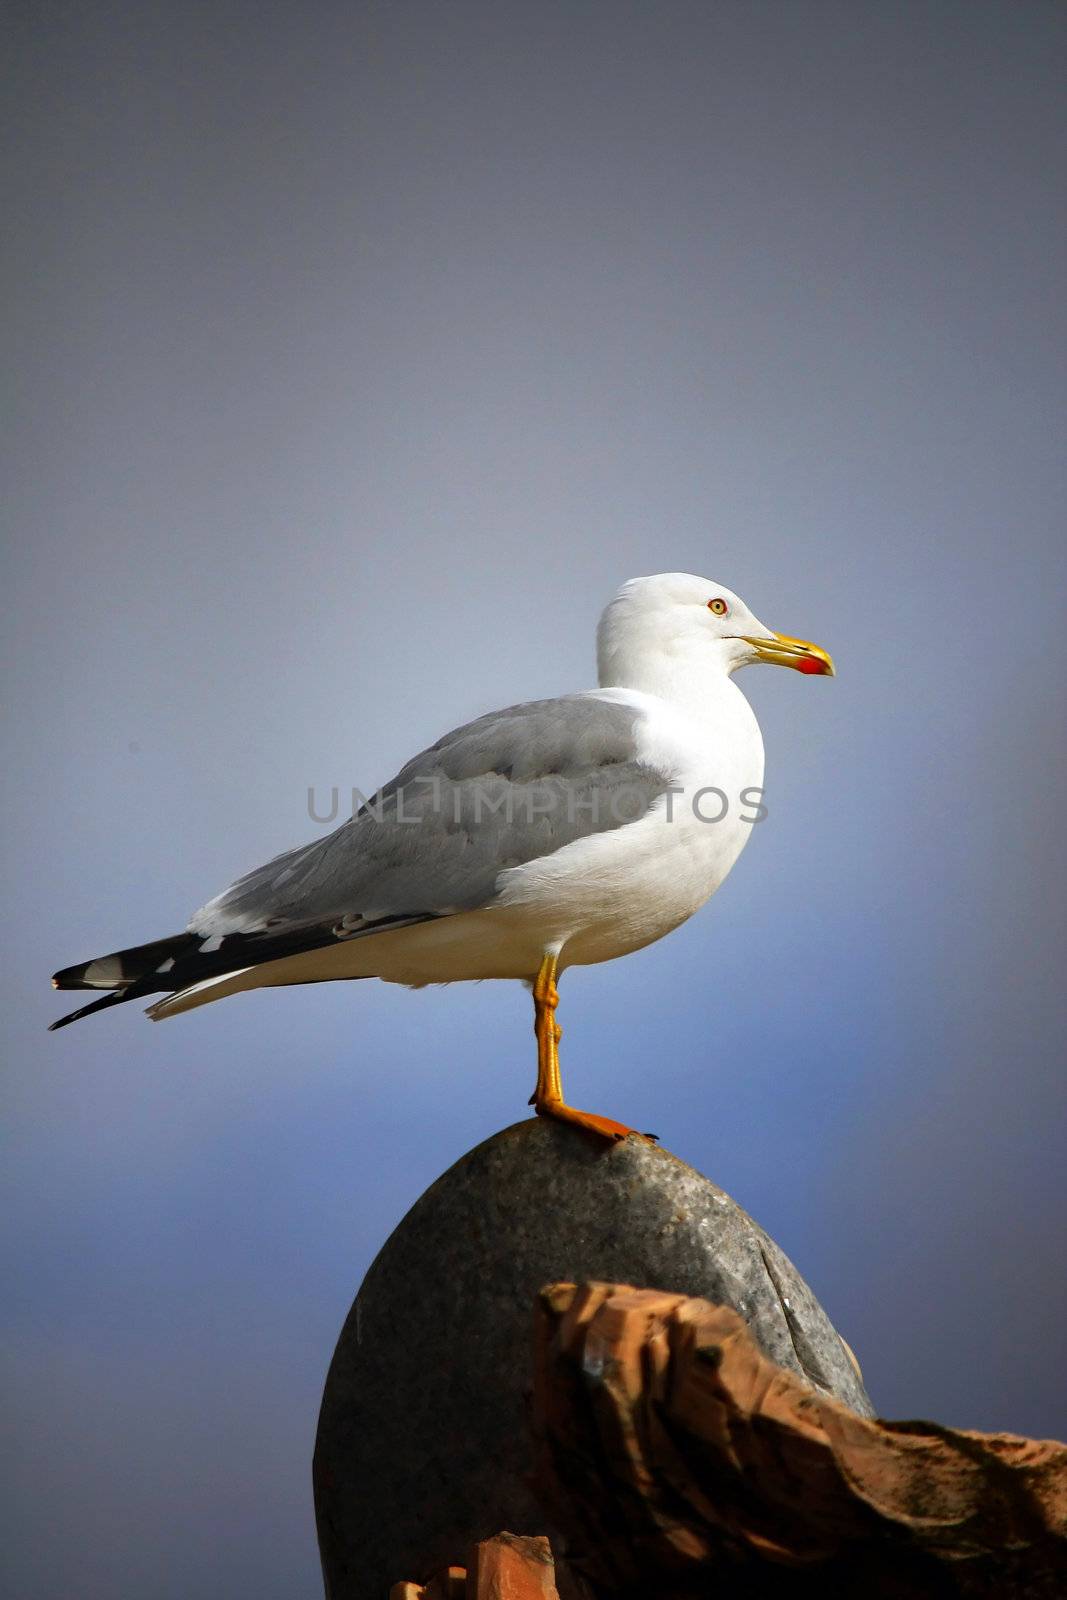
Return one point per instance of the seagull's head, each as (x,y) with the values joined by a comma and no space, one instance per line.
(692,622)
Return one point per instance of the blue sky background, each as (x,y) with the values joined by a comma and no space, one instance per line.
(357,353)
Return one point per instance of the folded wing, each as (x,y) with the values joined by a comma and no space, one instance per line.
(506,789)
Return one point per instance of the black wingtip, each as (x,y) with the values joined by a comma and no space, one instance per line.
(114,997)
(71,978)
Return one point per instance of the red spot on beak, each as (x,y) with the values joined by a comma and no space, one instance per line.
(811,664)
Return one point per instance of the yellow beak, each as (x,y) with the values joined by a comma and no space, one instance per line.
(782,651)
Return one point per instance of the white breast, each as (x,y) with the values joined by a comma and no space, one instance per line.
(613,892)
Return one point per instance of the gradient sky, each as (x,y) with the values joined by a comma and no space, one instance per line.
(356,354)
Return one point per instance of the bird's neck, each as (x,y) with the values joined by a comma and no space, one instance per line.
(701,689)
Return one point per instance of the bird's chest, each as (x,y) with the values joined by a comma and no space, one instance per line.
(638,885)
(617,890)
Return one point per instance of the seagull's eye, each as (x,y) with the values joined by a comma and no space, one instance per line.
(719,606)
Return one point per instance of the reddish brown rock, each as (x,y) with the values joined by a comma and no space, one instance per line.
(448,1585)
(509,1567)
(681,1462)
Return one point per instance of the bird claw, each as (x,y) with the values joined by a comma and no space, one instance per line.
(586,1122)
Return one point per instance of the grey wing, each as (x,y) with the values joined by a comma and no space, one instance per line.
(506,789)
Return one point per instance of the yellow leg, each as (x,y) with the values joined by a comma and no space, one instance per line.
(547,1099)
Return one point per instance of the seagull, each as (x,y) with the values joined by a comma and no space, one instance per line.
(552,834)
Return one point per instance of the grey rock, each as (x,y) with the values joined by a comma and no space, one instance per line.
(423,1443)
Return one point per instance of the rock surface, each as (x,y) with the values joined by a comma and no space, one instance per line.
(424,1446)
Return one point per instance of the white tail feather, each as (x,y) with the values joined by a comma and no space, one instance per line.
(202,993)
